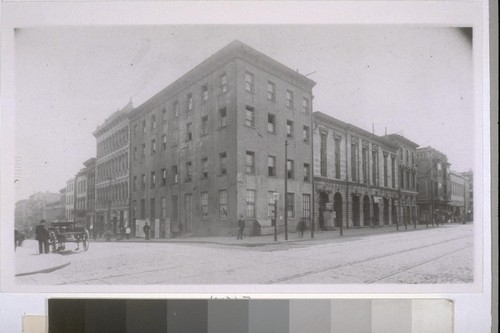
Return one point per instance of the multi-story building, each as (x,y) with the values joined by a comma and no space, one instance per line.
(469,196)
(62,200)
(458,196)
(80,213)
(355,175)
(70,200)
(112,172)
(407,178)
(433,178)
(211,147)
(90,196)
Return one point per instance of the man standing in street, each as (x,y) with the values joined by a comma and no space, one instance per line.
(42,236)
(241,227)
(146,230)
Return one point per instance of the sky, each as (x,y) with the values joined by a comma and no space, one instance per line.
(415,81)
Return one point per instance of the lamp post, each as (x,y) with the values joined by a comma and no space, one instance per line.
(286,189)
(110,179)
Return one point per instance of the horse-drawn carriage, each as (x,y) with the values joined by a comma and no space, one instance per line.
(61,233)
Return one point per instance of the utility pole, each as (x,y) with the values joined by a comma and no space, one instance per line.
(286,189)
(275,197)
(311,139)
(109,202)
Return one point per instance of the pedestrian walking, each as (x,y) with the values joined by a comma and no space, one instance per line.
(301,226)
(241,227)
(146,230)
(127,232)
(42,236)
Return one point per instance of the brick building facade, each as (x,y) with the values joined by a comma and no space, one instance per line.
(210,147)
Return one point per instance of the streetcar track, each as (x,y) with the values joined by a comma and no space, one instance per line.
(325,269)
(417,265)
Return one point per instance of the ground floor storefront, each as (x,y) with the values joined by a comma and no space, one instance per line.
(355,205)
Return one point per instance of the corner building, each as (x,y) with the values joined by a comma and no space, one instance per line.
(355,176)
(211,147)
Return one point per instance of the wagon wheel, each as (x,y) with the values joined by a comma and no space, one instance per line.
(85,240)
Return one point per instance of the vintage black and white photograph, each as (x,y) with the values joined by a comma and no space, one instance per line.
(240,154)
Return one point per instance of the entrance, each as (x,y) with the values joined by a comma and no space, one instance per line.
(323,199)
(386,211)
(376,212)
(355,210)
(337,208)
(366,210)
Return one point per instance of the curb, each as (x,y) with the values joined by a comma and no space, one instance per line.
(46,270)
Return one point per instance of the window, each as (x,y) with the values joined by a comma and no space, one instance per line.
(163,177)
(374,167)
(143,181)
(290,169)
(153,146)
(307,172)
(271,166)
(135,153)
(175,108)
(386,175)
(271,91)
(249,82)
(270,204)
(189,171)
(153,179)
(144,126)
(337,157)
(163,208)
(164,115)
(393,171)
(204,204)
(223,83)
(306,205)
(222,163)
(305,105)
(290,204)
(134,184)
(189,133)
(175,175)
(153,122)
(250,162)
(354,161)
(250,203)
(204,125)
(250,116)
(204,92)
(204,167)
(164,142)
(189,102)
(222,117)
(289,128)
(271,123)
(175,207)
(143,150)
(323,156)
(364,157)
(152,208)
(305,133)
(135,131)
(223,203)
(289,99)
(143,209)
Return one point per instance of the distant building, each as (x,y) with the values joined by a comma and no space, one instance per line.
(469,196)
(210,147)
(70,199)
(40,205)
(407,172)
(433,179)
(90,175)
(355,175)
(458,195)
(81,197)
(62,200)
(112,172)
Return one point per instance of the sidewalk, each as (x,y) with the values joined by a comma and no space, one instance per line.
(293,237)
(28,261)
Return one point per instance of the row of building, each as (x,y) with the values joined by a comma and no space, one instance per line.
(236,133)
